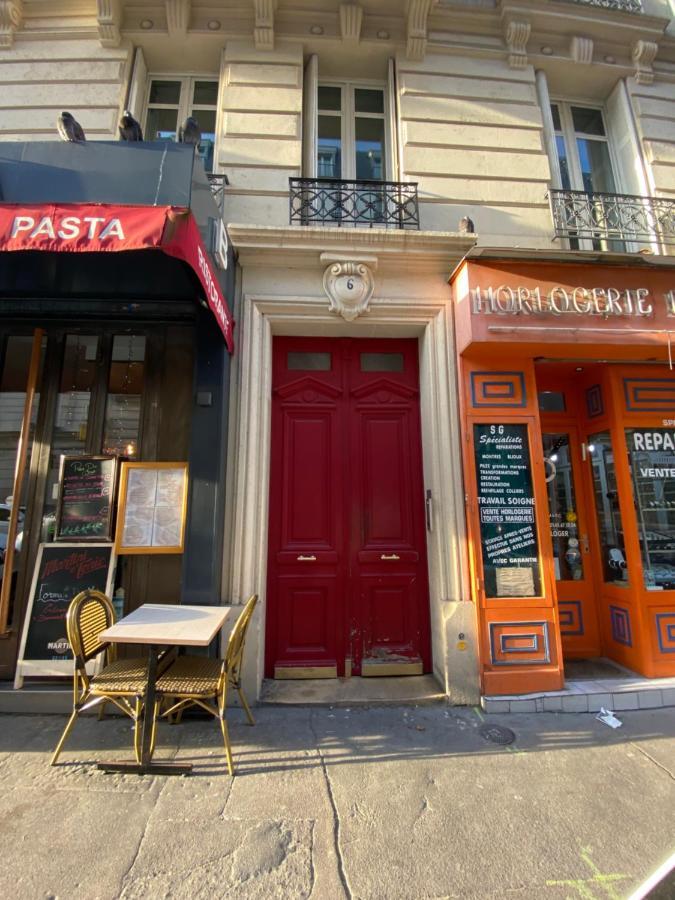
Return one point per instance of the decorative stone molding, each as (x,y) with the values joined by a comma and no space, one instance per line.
(349,285)
(351,18)
(108,17)
(11,14)
(643,55)
(581,50)
(263,32)
(516,35)
(418,14)
(177,17)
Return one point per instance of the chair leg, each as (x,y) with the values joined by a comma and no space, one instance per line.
(249,716)
(137,730)
(153,736)
(226,739)
(66,732)
(101,710)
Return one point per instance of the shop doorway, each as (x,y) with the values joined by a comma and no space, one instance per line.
(608,442)
(347,590)
(100,390)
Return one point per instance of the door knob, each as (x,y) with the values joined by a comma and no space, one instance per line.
(390,556)
(306,558)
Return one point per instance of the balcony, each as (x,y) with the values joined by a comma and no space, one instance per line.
(218,183)
(612,218)
(630,6)
(360,204)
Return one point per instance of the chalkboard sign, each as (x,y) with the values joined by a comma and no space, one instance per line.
(61,572)
(86,498)
(508,529)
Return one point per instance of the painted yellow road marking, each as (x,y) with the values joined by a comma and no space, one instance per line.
(584,886)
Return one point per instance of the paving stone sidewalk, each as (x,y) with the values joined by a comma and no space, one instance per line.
(360,803)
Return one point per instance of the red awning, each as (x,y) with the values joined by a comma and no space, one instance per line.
(79,228)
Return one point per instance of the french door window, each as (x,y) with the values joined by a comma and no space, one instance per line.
(585,163)
(172,100)
(351,132)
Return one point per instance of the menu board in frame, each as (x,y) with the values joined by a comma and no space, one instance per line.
(152,507)
(86,504)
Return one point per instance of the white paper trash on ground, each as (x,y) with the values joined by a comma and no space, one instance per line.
(608,717)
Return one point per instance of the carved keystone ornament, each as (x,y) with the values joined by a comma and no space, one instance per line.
(349,287)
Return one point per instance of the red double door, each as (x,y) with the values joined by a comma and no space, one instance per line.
(347,574)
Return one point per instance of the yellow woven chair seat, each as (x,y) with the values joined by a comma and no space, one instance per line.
(122,676)
(191,676)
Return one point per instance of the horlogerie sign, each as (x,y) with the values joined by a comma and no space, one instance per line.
(505,300)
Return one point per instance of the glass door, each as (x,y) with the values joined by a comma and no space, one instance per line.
(572,562)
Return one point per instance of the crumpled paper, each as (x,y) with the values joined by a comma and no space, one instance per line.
(608,717)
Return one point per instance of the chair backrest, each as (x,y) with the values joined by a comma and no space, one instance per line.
(235,645)
(89,613)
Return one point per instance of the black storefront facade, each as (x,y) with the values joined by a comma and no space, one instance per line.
(135,346)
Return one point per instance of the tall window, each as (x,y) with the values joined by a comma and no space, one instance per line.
(351,132)
(172,100)
(585,162)
(583,149)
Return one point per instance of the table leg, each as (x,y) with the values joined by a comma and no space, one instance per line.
(146,765)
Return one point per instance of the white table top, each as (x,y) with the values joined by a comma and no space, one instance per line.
(164,623)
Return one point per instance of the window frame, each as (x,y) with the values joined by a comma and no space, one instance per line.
(348,116)
(569,136)
(186,105)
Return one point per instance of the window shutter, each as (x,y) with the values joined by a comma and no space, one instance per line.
(309,116)
(549,130)
(392,123)
(631,176)
(138,84)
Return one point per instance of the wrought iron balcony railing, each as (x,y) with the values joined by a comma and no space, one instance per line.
(218,183)
(365,204)
(578,215)
(631,6)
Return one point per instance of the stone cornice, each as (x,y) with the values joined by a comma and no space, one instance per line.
(11,14)
(291,246)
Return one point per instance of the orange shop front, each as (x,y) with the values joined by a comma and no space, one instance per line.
(568,434)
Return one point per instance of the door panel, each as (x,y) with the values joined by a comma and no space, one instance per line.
(347,580)
(569,523)
(305,578)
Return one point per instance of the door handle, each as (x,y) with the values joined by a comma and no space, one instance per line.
(302,558)
(390,556)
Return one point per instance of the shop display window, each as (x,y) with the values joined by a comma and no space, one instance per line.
(508,532)
(563,517)
(651,456)
(610,527)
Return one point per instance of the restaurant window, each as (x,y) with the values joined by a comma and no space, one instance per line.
(608,513)
(121,431)
(172,100)
(651,456)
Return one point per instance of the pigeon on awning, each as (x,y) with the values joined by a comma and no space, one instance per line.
(129,128)
(69,128)
(190,132)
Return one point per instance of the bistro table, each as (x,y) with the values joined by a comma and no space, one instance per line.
(161,625)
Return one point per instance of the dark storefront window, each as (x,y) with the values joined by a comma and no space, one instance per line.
(121,430)
(508,532)
(610,528)
(651,456)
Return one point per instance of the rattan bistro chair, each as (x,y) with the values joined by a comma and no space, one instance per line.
(121,682)
(200,681)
